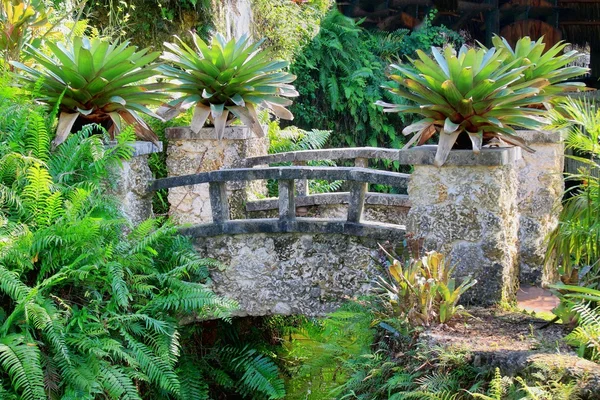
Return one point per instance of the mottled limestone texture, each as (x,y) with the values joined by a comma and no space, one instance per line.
(541,187)
(469,213)
(373,213)
(130,182)
(190,153)
(290,273)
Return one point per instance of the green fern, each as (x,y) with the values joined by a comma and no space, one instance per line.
(86,309)
(258,373)
(21,361)
(37,138)
(587,334)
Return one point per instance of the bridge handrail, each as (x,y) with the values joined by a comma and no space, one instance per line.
(352,174)
(362,154)
(359,178)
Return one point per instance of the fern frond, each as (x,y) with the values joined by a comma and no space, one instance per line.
(37,139)
(193,386)
(260,374)
(21,361)
(12,285)
(158,370)
(117,384)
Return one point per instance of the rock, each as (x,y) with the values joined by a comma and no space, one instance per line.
(290,273)
(469,213)
(512,342)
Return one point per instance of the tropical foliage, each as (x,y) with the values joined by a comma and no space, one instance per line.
(477,92)
(552,64)
(422,290)
(227,77)
(340,74)
(574,246)
(86,310)
(96,81)
(19,21)
(584,303)
(295,139)
(288,26)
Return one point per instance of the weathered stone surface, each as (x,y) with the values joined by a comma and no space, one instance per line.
(514,343)
(541,186)
(470,214)
(237,175)
(189,155)
(371,230)
(425,155)
(129,182)
(361,153)
(290,273)
(379,207)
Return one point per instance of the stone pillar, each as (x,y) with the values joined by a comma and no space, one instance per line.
(541,187)
(190,153)
(131,181)
(467,210)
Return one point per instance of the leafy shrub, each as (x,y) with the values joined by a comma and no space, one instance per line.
(584,303)
(426,36)
(151,23)
(295,139)
(504,387)
(21,23)
(574,246)
(338,76)
(421,290)
(287,26)
(87,311)
(341,72)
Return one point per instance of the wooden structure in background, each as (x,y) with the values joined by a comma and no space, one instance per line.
(576,21)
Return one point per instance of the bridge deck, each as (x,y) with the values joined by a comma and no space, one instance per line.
(375,230)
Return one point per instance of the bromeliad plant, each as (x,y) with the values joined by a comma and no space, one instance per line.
(477,92)
(18,20)
(98,82)
(551,65)
(422,289)
(228,77)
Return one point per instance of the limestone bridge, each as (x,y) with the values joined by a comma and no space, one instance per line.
(304,253)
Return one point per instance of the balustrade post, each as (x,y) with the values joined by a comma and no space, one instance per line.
(287,203)
(361,162)
(301,184)
(218,201)
(356,202)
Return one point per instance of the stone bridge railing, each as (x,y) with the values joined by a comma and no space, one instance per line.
(378,207)
(357,177)
(488,213)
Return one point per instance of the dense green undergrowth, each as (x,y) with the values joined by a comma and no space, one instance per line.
(340,73)
(91,307)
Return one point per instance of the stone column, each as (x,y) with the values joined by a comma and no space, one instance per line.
(131,181)
(467,210)
(541,187)
(190,153)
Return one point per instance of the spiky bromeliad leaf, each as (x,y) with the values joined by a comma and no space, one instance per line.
(481,92)
(97,81)
(226,77)
(551,64)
